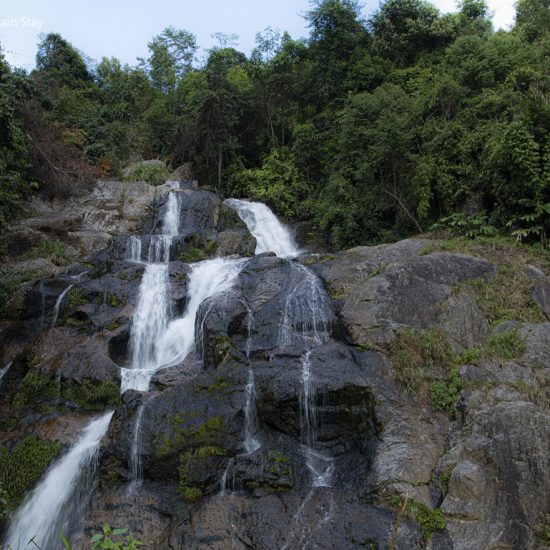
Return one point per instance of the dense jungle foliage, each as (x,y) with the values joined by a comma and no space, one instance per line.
(372,129)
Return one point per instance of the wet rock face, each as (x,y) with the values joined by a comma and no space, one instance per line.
(407,472)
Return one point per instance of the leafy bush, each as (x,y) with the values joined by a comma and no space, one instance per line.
(278,183)
(107,539)
(443,394)
(155,174)
(461,224)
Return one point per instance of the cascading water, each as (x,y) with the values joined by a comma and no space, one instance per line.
(251,443)
(58,304)
(135,456)
(206,279)
(153,310)
(149,324)
(307,319)
(59,500)
(155,341)
(4,370)
(133,249)
(271,235)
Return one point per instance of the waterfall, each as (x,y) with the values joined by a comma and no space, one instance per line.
(206,279)
(320,466)
(60,498)
(305,313)
(171,222)
(4,370)
(135,456)
(149,324)
(133,249)
(251,443)
(271,235)
(153,309)
(307,319)
(58,304)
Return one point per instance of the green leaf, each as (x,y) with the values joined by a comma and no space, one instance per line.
(119,531)
(96,538)
(66,543)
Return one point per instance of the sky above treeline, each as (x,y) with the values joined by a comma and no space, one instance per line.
(122,28)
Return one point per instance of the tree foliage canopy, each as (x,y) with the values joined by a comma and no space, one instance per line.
(372,129)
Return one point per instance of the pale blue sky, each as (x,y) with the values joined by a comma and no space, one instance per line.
(122,28)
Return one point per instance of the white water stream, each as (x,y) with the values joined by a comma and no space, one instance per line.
(271,235)
(306,322)
(60,498)
(4,370)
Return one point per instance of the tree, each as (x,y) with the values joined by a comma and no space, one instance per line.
(405,29)
(533,18)
(56,56)
(172,55)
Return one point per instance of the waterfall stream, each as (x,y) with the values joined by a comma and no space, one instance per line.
(58,305)
(304,322)
(159,341)
(4,370)
(271,235)
(60,498)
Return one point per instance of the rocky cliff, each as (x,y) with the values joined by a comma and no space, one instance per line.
(400,392)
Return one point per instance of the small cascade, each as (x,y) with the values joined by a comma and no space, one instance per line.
(78,277)
(159,248)
(271,235)
(307,320)
(227,481)
(206,279)
(320,466)
(171,221)
(135,456)
(133,249)
(305,316)
(149,324)
(60,498)
(4,370)
(152,316)
(251,443)
(58,304)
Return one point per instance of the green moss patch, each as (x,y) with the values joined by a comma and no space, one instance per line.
(21,468)
(36,388)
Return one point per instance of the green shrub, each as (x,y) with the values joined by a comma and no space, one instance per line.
(429,520)
(461,224)
(155,174)
(417,356)
(443,394)
(507,346)
(53,251)
(107,539)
